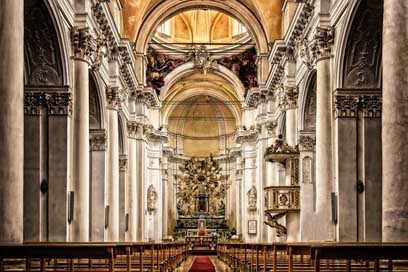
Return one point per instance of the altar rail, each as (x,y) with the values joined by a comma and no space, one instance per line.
(308,256)
(105,257)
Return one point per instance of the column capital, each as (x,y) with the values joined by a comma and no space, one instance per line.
(56,103)
(371,106)
(83,44)
(287,97)
(306,143)
(133,128)
(346,106)
(97,140)
(33,102)
(123,162)
(113,98)
(322,42)
(243,135)
(59,103)
(318,48)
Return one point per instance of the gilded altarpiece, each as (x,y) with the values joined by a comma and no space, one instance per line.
(201,197)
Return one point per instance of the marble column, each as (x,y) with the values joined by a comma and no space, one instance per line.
(395,121)
(131,184)
(290,105)
(324,229)
(11,120)
(112,183)
(123,196)
(140,174)
(97,179)
(82,48)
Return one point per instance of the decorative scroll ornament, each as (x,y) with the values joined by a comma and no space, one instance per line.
(201,178)
(101,51)
(272,221)
(252,199)
(41,48)
(287,97)
(113,98)
(282,198)
(202,59)
(151,199)
(306,52)
(281,151)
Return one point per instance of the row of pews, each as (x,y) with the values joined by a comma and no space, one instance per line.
(314,256)
(103,257)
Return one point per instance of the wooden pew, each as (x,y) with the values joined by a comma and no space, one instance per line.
(58,251)
(123,256)
(358,251)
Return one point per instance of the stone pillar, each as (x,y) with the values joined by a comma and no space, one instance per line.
(238,203)
(123,196)
(250,209)
(140,182)
(11,120)
(307,144)
(82,48)
(347,159)
(131,184)
(324,229)
(112,183)
(395,122)
(98,177)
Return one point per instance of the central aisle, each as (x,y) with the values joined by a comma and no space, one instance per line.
(202,264)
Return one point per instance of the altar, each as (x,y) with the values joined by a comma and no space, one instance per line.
(201,192)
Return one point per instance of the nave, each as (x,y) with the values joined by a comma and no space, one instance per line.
(202,135)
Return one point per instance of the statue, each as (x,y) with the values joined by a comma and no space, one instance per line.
(252,197)
(151,199)
(221,208)
(180,210)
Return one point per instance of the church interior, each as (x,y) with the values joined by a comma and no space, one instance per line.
(204,135)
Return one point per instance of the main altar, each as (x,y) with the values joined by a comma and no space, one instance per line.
(201,197)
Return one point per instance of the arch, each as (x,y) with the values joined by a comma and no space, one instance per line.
(214,24)
(95,102)
(46,60)
(363,72)
(167,9)
(197,92)
(306,96)
(122,126)
(188,68)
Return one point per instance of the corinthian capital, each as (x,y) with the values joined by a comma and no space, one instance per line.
(287,97)
(133,128)
(319,47)
(83,44)
(323,40)
(113,98)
